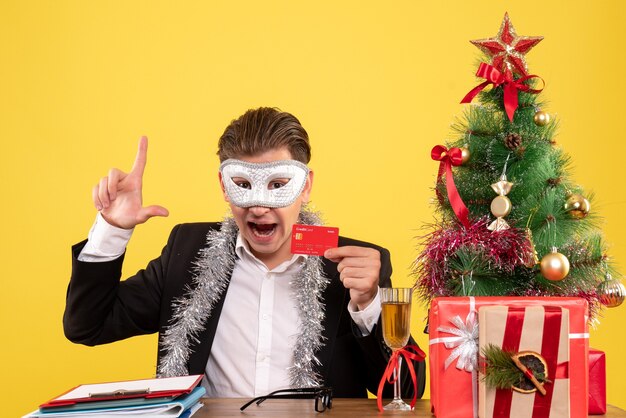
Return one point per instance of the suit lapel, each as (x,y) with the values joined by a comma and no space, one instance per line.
(334,296)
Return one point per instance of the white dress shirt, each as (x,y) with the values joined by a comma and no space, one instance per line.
(253,345)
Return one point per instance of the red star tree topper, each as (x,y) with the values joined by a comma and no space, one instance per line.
(507,50)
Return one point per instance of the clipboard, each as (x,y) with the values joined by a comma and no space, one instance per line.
(166,387)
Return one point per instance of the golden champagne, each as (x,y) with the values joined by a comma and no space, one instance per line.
(396,323)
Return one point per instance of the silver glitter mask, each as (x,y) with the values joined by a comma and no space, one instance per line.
(258,189)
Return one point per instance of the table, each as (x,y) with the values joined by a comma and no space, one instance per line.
(304,408)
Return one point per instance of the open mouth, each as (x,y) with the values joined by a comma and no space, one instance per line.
(262,230)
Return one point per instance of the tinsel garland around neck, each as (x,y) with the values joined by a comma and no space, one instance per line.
(212,272)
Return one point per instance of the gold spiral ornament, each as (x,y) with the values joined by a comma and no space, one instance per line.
(611,292)
(532,259)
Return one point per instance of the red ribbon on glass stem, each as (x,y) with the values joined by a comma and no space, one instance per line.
(388,376)
(511,87)
(448,158)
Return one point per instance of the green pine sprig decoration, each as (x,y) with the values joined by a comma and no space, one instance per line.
(500,371)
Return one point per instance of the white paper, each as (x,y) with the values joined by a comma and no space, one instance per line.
(153,385)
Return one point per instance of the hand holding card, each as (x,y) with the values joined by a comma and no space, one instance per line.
(312,239)
(359,267)
(359,271)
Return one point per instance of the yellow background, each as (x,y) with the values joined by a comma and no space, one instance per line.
(376,84)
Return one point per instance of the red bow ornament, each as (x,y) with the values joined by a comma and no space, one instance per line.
(448,158)
(511,86)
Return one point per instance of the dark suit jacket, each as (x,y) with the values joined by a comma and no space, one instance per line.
(100,309)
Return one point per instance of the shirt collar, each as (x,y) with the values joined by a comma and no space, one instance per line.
(242,249)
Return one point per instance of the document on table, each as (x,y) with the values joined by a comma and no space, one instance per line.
(185,405)
(145,388)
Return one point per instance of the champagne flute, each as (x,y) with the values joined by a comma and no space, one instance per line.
(396,316)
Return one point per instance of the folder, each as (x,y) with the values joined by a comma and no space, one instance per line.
(182,406)
(145,389)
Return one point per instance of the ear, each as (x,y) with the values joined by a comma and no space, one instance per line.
(308,186)
(219,175)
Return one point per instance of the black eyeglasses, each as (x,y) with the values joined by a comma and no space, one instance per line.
(323,396)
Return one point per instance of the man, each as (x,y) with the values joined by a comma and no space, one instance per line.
(228,299)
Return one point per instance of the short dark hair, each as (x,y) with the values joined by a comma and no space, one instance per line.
(263,129)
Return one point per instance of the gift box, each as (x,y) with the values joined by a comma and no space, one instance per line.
(597,382)
(540,334)
(453,351)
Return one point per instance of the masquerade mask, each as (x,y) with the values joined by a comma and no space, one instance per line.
(261,184)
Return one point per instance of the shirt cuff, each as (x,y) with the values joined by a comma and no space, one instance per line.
(105,243)
(368,317)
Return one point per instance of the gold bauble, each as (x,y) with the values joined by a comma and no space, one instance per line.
(541,118)
(577,206)
(554,266)
(501,206)
(465,154)
(611,292)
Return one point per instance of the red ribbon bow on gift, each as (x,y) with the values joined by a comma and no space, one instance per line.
(448,158)
(388,376)
(511,86)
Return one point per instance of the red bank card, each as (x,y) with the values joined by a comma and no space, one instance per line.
(313,240)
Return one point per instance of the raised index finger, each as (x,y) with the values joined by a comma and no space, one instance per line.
(141,158)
